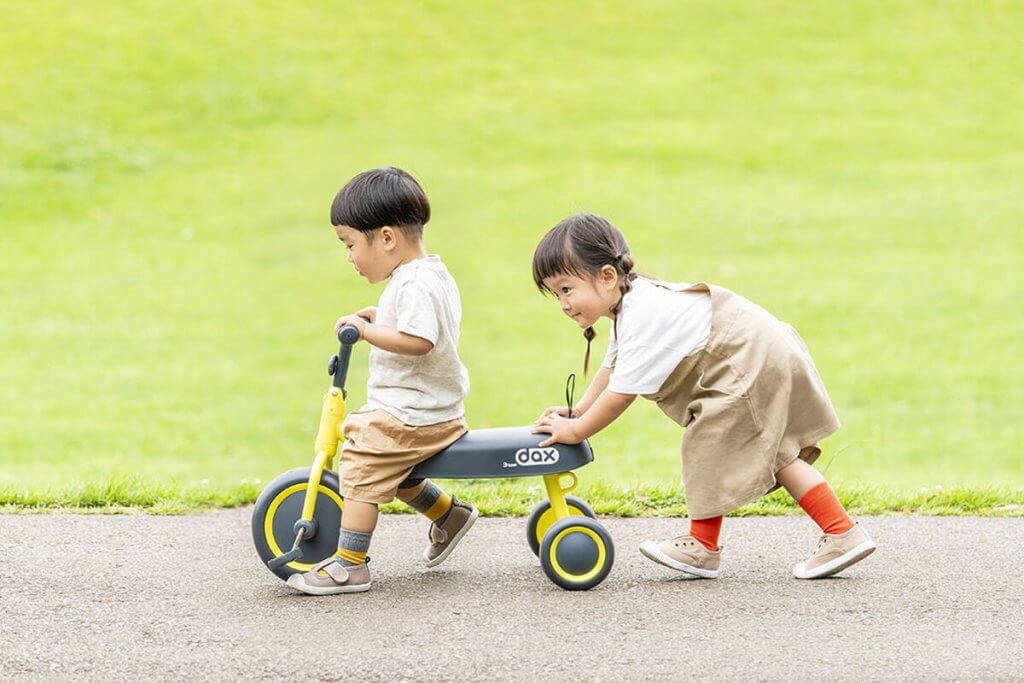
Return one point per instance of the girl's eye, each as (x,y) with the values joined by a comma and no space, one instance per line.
(565,290)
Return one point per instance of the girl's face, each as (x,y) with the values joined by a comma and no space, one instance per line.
(585,300)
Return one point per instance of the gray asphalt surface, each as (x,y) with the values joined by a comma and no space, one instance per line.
(131,597)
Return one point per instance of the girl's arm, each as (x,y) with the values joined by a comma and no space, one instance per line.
(608,406)
(598,385)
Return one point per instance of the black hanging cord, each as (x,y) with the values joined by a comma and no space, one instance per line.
(570,389)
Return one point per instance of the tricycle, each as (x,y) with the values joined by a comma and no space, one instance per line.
(297,518)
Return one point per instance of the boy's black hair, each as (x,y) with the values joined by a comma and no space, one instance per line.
(379,197)
(581,245)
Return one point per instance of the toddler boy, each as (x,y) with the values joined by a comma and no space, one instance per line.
(417,382)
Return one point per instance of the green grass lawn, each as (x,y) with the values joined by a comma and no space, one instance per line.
(169,277)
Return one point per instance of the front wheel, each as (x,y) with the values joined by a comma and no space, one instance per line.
(277,509)
(577,553)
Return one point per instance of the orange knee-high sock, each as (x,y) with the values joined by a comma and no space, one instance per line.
(825,509)
(706,531)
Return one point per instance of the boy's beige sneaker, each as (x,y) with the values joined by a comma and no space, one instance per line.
(331,577)
(684,553)
(836,552)
(444,538)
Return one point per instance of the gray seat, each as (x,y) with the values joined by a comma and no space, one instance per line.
(503,452)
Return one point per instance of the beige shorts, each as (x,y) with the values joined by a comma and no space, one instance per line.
(380,451)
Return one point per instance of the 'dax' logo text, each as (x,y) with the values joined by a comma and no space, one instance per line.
(532,457)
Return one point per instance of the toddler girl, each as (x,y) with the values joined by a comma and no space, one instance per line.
(740,382)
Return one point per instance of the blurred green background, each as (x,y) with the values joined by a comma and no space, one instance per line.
(169,276)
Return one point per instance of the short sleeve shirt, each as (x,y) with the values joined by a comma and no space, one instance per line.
(657,327)
(421,299)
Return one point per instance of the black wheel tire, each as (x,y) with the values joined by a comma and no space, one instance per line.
(577,553)
(538,523)
(283,499)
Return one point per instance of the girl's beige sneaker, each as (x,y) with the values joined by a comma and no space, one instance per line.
(836,552)
(684,553)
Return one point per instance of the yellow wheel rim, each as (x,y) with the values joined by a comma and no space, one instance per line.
(548,518)
(601,554)
(268,521)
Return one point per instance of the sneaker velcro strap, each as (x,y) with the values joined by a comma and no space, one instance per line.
(337,572)
(437,534)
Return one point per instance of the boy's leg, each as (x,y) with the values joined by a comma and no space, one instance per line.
(359,516)
(451,517)
(357,524)
(368,434)
(346,570)
(843,542)
(426,498)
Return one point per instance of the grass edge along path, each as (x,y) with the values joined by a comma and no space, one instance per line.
(127,495)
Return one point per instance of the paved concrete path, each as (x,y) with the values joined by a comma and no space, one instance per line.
(170,598)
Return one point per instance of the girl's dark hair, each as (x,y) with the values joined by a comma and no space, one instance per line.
(582,245)
(379,197)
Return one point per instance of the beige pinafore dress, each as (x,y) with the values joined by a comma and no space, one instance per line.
(751,402)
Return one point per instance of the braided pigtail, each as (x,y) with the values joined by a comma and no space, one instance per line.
(589,335)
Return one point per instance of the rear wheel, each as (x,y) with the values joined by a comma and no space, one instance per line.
(543,516)
(280,506)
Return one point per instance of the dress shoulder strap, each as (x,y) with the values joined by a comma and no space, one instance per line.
(680,286)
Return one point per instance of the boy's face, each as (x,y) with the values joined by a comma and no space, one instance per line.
(372,258)
(585,300)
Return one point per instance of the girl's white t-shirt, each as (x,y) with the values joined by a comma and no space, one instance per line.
(658,326)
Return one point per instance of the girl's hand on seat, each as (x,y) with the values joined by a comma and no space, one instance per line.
(561,429)
(561,411)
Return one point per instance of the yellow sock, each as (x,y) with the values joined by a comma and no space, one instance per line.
(351,556)
(440,507)
(353,546)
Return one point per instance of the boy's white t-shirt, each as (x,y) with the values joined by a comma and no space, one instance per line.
(658,326)
(420,299)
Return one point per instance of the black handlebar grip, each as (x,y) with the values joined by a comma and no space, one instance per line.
(348,334)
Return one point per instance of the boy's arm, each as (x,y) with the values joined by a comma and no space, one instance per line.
(390,339)
(387,338)
(608,406)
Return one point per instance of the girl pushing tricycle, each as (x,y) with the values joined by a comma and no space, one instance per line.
(739,381)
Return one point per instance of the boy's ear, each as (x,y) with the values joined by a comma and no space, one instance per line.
(388,237)
(609,277)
